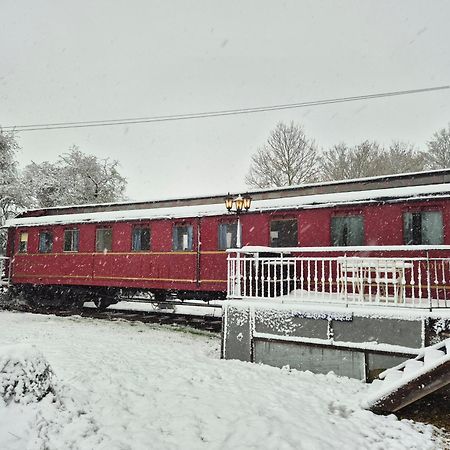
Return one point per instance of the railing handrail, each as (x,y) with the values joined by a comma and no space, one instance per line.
(354,248)
(351,258)
(417,281)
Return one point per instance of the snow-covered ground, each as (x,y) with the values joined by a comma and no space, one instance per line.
(186,307)
(121,385)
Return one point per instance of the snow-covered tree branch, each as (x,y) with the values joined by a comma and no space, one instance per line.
(76,178)
(12,196)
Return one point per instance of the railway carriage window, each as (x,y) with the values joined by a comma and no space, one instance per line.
(103,240)
(140,239)
(182,238)
(423,228)
(347,230)
(45,242)
(23,243)
(284,233)
(71,240)
(227,235)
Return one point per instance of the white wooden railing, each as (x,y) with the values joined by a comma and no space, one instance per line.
(300,274)
(4,271)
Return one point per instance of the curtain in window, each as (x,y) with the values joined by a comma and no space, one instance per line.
(432,232)
(45,242)
(71,240)
(227,235)
(423,228)
(347,230)
(408,229)
(104,240)
(182,238)
(136,245)
(23,243)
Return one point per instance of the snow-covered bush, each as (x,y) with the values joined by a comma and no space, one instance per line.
(25,375)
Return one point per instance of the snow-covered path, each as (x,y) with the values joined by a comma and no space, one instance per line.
(134,386)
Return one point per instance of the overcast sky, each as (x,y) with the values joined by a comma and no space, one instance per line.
(89,60)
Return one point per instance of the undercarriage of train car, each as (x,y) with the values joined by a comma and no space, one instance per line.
(74,297)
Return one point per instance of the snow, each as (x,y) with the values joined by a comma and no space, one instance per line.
(431,355)
(305,201)
(215,310)
(26,376)
(221,195)
(317,305)
(350,248)
(395,377)
(121,385)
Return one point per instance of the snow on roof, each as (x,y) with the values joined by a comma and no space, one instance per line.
(220,195)
(307,201)
(354,180)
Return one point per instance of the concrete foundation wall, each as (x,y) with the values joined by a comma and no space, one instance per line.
(339,340)
(316,359)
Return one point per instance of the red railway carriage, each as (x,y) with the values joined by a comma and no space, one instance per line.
(70,253)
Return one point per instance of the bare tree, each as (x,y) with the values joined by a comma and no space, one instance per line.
(438,156)
(369,159)
(335,164)
(402,157)
(287,158)
(342,162)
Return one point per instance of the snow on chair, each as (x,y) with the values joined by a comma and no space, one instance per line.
(373,278)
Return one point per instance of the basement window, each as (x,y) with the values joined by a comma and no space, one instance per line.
(347,231)
(284,233)
(103,241)
(71,240)
(227,235)
(182,238)
(23,242)
(423,228)
(45,242)
(140,239)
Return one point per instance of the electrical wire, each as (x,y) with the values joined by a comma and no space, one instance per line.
(219,113)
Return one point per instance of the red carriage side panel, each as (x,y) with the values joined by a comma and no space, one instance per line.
(313,228)
(202,268)
(255,229)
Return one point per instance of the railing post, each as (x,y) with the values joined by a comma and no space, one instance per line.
(345,280)
(430,302)
(257,282)
(228,275)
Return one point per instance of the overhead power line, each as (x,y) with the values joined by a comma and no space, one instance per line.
(219,113)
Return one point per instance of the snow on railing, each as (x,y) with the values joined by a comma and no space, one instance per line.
(412,379)
(4,271)
(416,281)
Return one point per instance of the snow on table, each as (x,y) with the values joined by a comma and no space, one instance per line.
(135,386)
